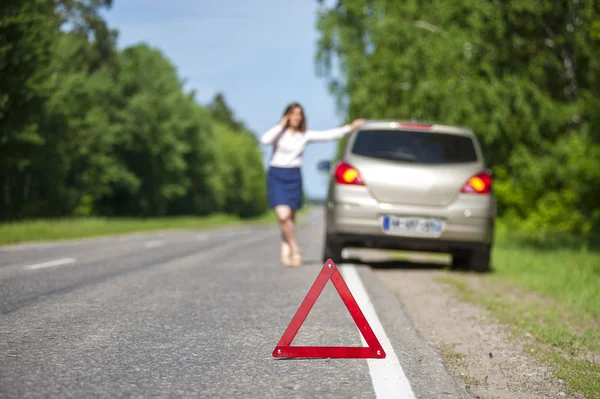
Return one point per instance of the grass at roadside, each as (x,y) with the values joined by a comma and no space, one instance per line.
(64,229)
(551,299)
(566,275)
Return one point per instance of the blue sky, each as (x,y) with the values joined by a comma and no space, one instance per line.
(259,53)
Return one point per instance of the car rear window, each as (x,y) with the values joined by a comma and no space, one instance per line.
(415,147)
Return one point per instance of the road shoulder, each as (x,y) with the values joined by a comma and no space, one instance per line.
(479,352)
(420,362)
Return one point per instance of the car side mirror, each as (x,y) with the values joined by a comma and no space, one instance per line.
(324,166)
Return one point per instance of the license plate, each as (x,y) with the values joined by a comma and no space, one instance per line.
(412,225)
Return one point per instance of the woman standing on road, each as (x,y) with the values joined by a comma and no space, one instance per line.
(284,179)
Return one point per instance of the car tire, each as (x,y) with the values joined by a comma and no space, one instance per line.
(332,250)
(460,261)
(480,260)
(477,260)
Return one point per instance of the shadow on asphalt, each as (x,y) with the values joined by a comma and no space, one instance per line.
(314,261)
(399,264)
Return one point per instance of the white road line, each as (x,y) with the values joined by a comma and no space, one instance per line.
(154,244)
(51,263)
(387,375)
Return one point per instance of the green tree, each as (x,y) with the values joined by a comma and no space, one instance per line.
(27,31)
(241,172)
(221,112)
(79,128)
(151,125)
(205,189)
(84,19)
(34,156)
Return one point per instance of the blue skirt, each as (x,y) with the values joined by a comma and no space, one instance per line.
(284,187)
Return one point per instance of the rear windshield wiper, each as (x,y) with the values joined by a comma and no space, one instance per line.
(401,156)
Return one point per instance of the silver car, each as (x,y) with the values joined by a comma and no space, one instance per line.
(411,186)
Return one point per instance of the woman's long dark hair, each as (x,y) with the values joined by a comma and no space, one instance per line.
(289,109)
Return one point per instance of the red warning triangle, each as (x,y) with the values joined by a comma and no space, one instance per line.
(373,350)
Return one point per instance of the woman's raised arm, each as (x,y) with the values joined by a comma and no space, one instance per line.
(333,134)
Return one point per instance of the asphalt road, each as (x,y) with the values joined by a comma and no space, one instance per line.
(196,314)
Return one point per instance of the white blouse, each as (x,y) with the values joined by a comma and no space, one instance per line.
(288,147)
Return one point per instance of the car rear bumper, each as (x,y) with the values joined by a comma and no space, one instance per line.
(405,243)
(464,224)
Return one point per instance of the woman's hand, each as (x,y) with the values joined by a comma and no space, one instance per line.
(356,123)
(283,122)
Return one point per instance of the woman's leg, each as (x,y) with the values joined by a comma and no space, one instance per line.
(296,256)
(285,247)
(288,230)
(293,222)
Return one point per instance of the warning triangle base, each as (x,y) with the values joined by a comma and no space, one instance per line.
(284,348)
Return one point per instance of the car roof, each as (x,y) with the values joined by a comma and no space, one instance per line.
(415,125)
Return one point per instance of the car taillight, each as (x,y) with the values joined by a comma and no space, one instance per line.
(346,174)
(478,184)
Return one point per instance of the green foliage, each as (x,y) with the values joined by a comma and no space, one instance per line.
(521,74)
(241,171)
(27,30)
(88,130)
(220,111)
